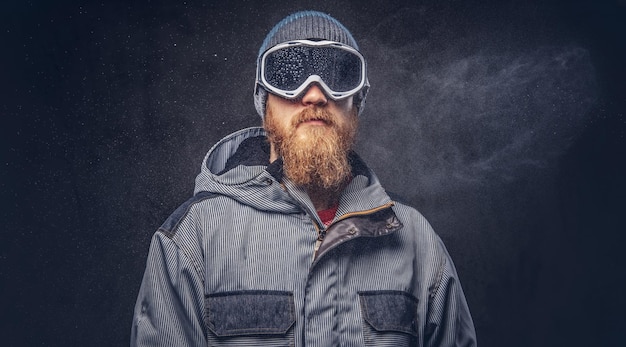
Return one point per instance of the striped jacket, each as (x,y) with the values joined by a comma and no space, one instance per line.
(248,262)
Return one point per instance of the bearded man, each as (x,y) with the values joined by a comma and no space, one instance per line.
(290,240)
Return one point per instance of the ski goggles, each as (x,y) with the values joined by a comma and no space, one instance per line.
(287,69)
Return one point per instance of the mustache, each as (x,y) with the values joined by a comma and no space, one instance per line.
(311,114)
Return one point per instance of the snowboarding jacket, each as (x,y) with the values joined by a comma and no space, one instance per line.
(248,262)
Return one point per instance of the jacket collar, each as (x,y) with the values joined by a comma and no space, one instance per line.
(237,166)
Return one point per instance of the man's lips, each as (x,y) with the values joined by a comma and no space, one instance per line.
(315,122)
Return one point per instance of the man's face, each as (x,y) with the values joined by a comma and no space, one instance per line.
(313,134)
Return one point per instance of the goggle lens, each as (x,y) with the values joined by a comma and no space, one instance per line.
(286,69)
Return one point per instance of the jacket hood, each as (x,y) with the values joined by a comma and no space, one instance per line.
(238,167)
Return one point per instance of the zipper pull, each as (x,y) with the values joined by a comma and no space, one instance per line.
(318,242)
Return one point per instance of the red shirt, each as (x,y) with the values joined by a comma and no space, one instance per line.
(328,215)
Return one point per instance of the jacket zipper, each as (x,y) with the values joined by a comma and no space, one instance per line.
(321,233)
(366,212)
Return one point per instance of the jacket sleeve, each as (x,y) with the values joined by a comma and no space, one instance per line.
(170,305)
(449,322)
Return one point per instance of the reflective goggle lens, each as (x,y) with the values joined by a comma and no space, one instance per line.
(286,69)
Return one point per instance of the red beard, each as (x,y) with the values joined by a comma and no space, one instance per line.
(314,156)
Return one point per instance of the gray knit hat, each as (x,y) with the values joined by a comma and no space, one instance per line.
(302,26)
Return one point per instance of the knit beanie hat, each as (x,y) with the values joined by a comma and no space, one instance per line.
(305,25)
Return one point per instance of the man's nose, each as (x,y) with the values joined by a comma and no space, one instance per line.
(314,95)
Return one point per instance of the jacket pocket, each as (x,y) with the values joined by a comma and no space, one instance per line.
(250,318)
(389,318)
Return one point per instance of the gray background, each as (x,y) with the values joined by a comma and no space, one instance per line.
(501,121)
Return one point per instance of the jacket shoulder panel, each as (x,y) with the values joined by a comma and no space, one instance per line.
(410,216)
(170,225)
